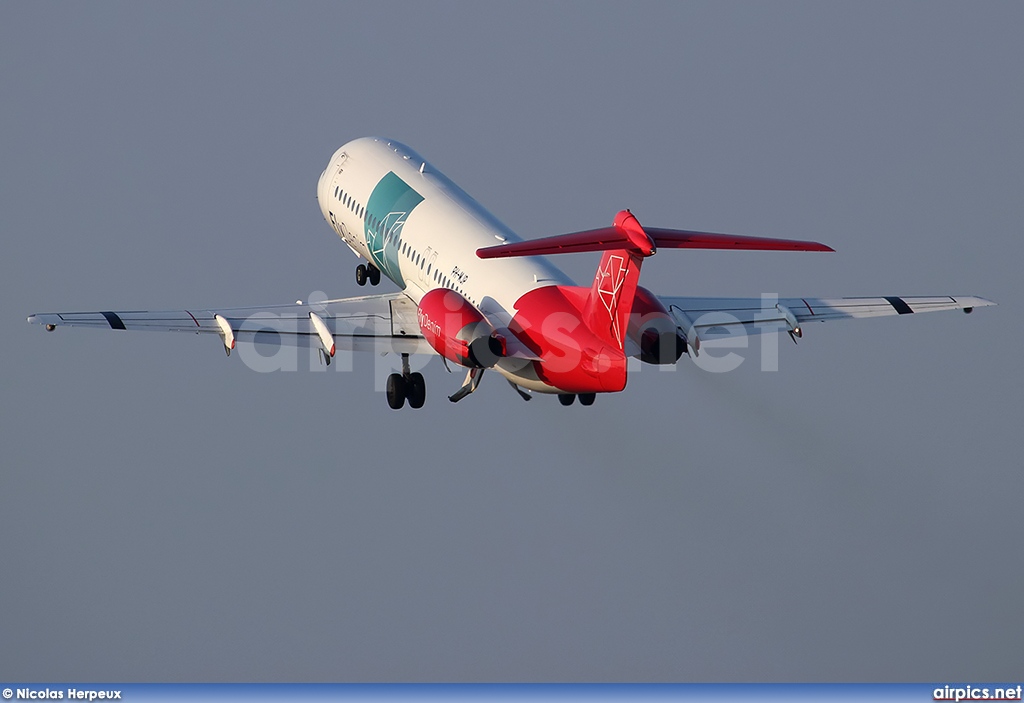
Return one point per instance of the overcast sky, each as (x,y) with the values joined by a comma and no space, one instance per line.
(168,514)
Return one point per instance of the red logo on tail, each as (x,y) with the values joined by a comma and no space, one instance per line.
(608,283)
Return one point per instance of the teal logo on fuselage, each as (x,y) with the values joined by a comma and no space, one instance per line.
(390,203)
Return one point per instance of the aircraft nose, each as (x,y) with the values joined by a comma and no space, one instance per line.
(320,186)
(322,196)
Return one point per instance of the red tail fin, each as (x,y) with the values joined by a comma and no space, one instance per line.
(611,296)
(607,309)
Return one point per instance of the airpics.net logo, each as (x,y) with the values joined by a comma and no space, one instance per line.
(725,342)
(978,693)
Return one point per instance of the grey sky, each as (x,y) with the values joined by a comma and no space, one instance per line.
(167,514)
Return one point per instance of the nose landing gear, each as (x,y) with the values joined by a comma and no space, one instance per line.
(367,272)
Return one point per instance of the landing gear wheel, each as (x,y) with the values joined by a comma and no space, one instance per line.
(361,275)
(566,398)
(587,398)
(396,391)
(374,274)
(416,390)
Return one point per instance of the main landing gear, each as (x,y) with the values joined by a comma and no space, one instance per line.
(406,386)
(585,398)
(569,398)
(367,272)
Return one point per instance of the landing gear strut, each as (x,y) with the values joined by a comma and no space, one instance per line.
(367,272)
(406,386)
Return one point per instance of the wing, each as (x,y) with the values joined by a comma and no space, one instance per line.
(379,323)
(699,316)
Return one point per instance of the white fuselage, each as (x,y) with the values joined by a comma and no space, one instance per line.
(422,231)
(439,235)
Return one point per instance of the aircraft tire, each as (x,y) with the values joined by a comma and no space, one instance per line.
(361,275)
(396,391)
(416,390)
(566,398)
(587,398)
(374,274)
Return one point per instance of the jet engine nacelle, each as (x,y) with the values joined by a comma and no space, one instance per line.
(457,330)
(653,328)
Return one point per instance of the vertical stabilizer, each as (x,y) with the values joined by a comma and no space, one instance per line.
(611,296)
(610,302)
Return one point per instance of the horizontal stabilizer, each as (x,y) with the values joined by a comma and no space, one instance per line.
(609,238)
(686,239)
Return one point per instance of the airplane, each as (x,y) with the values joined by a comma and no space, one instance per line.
(473,292)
